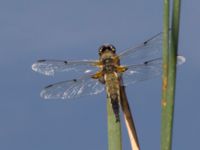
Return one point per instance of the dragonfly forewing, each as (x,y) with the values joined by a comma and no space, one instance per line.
(149,49)
(50,67)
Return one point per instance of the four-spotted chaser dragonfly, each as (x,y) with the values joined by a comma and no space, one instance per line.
(139,63)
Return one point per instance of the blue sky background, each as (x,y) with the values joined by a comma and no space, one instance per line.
(74,29)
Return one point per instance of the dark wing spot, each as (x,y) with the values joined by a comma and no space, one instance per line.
(152,61)
(146,62)
(42,60)
(145,42)
(49,86)
(65,62)
(75,80)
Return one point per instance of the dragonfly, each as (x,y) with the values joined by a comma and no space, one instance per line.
(108,73)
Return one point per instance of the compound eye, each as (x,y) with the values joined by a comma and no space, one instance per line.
(101,49)
(112,48)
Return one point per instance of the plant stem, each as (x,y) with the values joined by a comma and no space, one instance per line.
(129,120)
(168,105)
(165,55)
(114,129)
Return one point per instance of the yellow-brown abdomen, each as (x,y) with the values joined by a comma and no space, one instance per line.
(112,88)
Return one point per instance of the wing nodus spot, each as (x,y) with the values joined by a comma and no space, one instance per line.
(145,42)
(42,60)
(49,86)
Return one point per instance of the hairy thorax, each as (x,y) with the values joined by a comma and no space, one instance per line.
(109,62)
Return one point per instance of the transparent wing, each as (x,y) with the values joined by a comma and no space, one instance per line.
(72,88)
(146,70)
(50,67)
(150,49)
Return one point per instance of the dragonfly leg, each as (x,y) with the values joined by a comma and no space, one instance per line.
(97,75)
(121,69)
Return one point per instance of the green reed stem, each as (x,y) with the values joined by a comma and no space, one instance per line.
(169,72)
(165,55)
(114,129)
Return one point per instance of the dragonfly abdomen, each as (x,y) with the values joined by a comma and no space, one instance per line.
(112,88)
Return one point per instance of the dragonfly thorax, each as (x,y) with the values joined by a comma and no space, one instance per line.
(108,65)
(108,60)
(109,68)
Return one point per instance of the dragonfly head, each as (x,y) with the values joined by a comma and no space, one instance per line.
(107,47)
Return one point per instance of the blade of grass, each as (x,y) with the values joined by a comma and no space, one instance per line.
(168,107)
(165,55)
(172,66)
(114,129)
